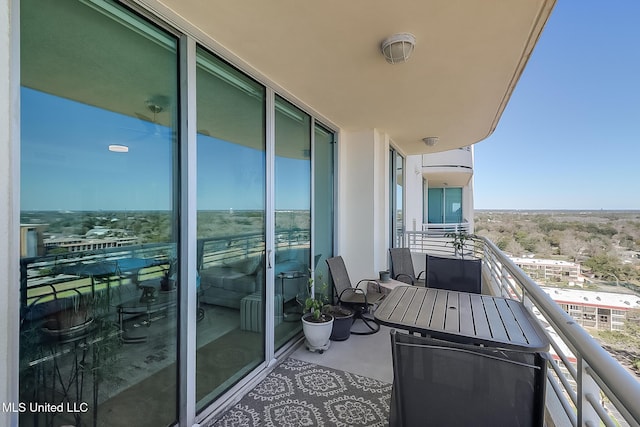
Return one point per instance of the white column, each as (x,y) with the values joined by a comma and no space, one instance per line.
(363,195)
(9,206)
(468,202)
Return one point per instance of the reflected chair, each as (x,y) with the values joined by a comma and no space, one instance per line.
(443,383)
(402,267)
(454,274)
(353,296)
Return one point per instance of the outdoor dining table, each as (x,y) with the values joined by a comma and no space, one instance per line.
(473,320)
(462,317)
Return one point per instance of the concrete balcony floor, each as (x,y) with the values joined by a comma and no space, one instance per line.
(366,355)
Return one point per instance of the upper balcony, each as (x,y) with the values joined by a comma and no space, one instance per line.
(452,168)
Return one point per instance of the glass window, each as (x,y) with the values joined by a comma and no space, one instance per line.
(231,226)
(98,170)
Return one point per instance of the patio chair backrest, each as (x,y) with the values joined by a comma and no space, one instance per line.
(438,383)
(455,274)
(402,265)
(339,275)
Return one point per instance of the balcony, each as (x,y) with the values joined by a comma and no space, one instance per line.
(452,168)
(586,386)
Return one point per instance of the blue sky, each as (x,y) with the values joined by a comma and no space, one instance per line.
(570,135)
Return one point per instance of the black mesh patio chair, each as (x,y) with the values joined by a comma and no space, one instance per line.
(402,267)
(454,274)
(441,383)
(353,296)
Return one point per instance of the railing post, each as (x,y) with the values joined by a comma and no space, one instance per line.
(587,415)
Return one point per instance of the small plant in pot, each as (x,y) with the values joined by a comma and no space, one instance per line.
(316,324)
(460,242)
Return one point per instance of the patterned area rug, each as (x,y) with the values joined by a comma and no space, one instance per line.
(298,393)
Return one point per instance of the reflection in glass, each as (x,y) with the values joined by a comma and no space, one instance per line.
(445,205)
(292,217)
(323,204)
(231,226)
(98,284)
(396,205)
(399,201)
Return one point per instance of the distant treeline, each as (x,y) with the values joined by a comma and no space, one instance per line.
(605,243)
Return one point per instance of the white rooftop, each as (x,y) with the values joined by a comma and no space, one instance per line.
(601,299)
(543,261)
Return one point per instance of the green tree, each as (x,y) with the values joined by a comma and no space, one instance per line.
(602,265)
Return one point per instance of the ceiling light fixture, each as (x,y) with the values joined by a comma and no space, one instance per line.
(430,141)
(117,148)
(398,48)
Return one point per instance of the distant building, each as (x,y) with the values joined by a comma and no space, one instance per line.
(549,270)
(595,310)
(99,237)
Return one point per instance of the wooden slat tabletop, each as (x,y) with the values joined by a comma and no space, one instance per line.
(462,317)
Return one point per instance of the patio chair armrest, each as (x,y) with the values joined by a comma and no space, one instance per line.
(399,277)
(355,291)
(369,281)
(420,275)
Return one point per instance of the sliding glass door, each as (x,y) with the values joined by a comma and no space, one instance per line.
(444,205)
(323,204)
(396,199)
(103,218)
(99,114)
(230,226)
(292,217)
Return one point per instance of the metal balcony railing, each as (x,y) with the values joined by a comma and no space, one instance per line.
(591,386)
(41,278)
(439,230)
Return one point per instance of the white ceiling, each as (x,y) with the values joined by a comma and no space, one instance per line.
(324,56)
(468,57)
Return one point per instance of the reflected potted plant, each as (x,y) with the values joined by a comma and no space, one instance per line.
(74,313)
(316,324)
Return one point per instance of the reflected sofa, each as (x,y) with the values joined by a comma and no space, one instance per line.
(228,283)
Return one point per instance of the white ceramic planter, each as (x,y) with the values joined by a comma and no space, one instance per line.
(317,334)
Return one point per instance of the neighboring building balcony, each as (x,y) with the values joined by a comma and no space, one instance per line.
(441,230)
(586,386)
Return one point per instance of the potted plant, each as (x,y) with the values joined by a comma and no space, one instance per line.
(459,241)
(316,324)
(342,321)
